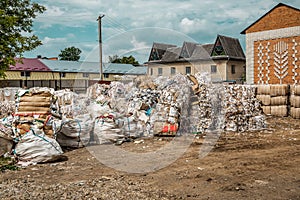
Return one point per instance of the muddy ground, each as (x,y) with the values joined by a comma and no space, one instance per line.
(253,165)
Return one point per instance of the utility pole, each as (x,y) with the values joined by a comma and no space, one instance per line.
(100,44)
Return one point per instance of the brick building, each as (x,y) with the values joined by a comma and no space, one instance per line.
(273,47)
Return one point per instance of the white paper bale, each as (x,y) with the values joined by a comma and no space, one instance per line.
(265,99)
(263,89)
(295,112)
(279,100)
(279,90)
(36,147)
(295,101)
(295,89)
(279,111)
(266,110)
(75,132)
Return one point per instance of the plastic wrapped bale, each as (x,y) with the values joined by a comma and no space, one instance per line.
(75,132)
(36,147)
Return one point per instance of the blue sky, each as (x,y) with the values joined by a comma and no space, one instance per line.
(130,27)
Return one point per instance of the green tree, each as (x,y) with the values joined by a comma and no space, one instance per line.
(70,54)
(125,60)
(16,20)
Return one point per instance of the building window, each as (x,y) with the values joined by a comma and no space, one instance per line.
(160,71)
(25,74)
(86,75)
(151,71)
(213,69)
(173,70)
(187,70)
(233,69)
(106,75)
(62,74)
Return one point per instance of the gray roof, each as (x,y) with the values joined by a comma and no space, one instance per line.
(171,54)
(202,52)
(192,51)
(187,49)
(232,47)
(86,67)
(160,48)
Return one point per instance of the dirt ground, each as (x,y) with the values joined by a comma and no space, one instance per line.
(252,165)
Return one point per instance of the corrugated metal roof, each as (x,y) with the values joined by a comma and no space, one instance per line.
(138,71)
(86,67)
(29,64)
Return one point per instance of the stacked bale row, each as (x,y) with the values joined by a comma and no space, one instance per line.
(33,108)
(295,101)
(274,99)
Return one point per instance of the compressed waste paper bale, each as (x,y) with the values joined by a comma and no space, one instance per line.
(263,89)
(266,110)
(295,101)
(7,108)
(265,99)
(36,147)
(295,89)
(280,111)
(279,100)
(295,112)
(279,90)
(6,135)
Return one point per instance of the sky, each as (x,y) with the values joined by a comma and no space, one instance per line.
(129,27)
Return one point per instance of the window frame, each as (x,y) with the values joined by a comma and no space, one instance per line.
(25,73)
(186,70)
(160,71)
(213,69)
(173,70)
(85,75)
(233,71)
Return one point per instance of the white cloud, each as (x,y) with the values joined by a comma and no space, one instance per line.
(138,44)
(175,21)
